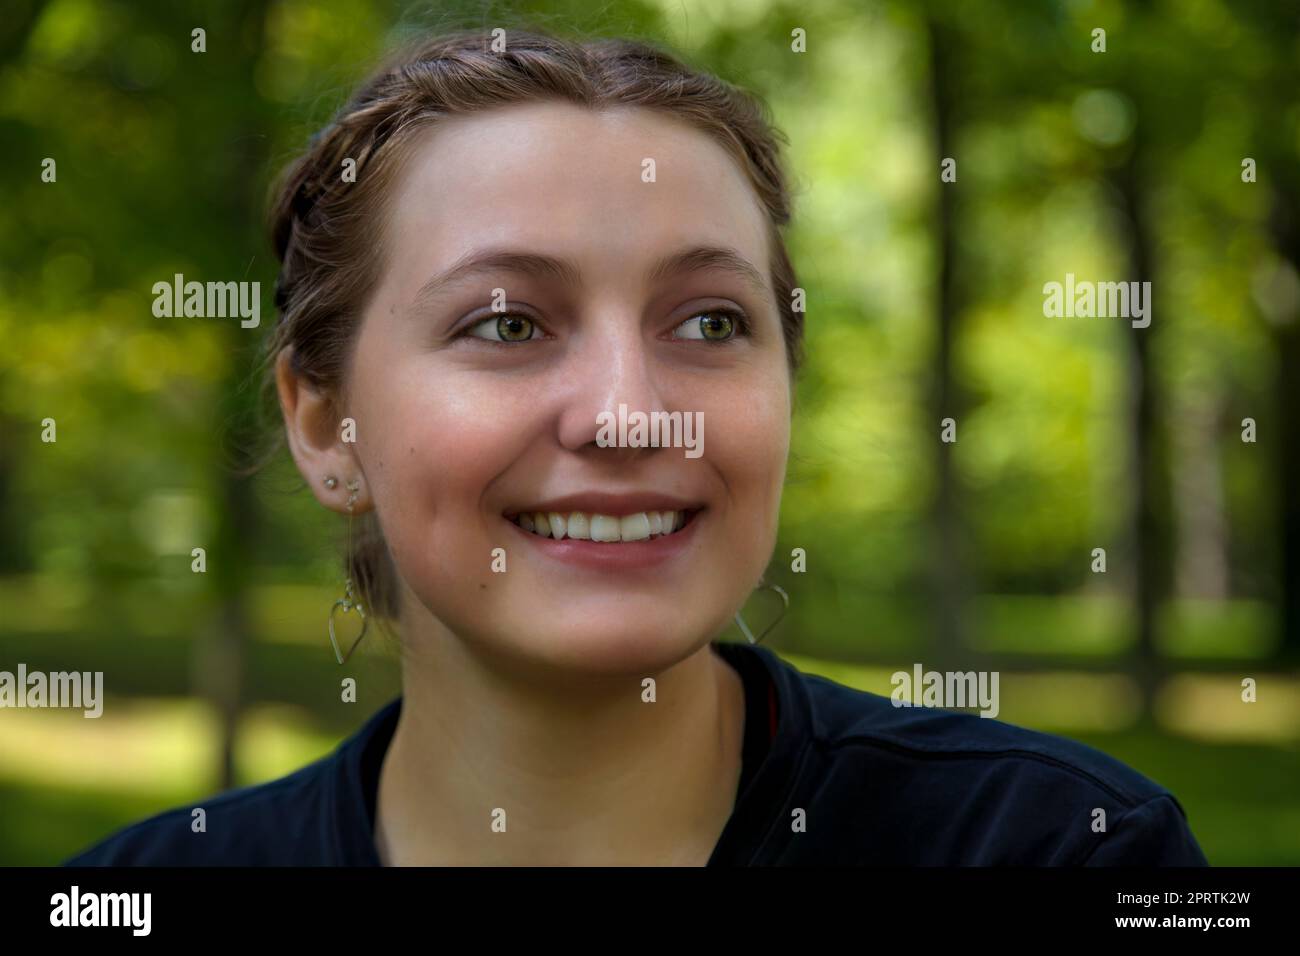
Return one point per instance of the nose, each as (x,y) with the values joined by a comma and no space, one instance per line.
(614,364)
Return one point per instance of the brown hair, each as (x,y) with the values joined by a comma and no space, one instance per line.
(327,232)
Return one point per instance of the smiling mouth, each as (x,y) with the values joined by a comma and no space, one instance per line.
(584,526)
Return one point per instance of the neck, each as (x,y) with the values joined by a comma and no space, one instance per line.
(490,765)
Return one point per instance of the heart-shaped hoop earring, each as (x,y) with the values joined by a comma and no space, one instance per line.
(785,606)
(347,602)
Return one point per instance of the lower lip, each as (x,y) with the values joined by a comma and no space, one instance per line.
(615,555)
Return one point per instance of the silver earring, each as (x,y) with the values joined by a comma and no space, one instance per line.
(347,602)
(785,606)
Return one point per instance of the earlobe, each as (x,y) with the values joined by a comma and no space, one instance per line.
(312,428)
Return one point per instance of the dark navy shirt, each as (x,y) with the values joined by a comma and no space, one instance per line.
(830,776)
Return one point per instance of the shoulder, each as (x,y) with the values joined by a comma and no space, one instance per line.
(937,786)
(271,823)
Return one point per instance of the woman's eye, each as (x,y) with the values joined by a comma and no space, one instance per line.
(714,325)
(508,327)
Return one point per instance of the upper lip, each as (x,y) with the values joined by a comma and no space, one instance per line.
(614,505)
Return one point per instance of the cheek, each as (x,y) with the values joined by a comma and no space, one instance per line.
(748,443)
(431,444)
(754,433)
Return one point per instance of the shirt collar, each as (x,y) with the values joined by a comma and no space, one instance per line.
(759,823)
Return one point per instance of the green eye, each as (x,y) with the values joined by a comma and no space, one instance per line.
(509,326)
(713,325)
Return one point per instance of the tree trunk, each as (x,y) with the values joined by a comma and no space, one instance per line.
(1148,541)
(947,570)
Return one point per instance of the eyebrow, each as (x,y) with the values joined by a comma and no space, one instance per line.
(694,259)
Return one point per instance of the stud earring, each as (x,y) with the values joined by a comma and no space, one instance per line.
(785,606)
(347,602)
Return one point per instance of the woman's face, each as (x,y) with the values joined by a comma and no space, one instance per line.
(614,290)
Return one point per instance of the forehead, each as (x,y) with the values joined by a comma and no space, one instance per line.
(570,181)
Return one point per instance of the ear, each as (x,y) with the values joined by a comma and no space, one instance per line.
(315,436)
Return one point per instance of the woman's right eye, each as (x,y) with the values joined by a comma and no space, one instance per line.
(508,327)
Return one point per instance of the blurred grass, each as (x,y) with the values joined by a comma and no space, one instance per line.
(66,781)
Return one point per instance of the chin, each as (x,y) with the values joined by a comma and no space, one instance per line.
(596,648)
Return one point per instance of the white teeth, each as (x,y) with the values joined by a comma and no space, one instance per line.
(604,528)
(634,527)
(581,526)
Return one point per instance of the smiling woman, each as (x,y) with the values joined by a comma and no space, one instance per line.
(500,274)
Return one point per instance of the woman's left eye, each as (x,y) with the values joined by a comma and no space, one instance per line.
(715,325)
